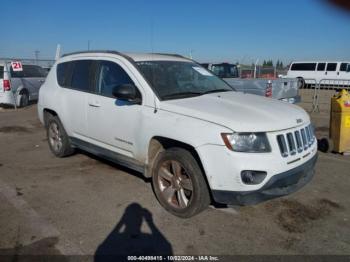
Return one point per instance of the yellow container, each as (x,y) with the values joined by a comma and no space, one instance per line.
(340,122)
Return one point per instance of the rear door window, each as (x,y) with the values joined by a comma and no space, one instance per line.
(331,66)
(321,66)
(82,75)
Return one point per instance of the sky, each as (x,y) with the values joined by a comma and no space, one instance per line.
(212,31)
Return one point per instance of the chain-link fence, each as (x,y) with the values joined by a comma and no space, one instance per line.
(45,63)
(261,72)
(317,96)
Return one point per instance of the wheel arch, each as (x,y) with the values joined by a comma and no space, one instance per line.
(48,112)
(158,144)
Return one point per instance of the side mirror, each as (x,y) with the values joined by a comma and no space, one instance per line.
(127,92)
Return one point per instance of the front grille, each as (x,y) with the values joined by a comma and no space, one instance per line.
(295,142)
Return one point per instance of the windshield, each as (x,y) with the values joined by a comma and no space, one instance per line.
(225,70)
(175,79)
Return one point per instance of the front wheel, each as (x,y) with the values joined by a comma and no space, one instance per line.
(57,137)
(179,183)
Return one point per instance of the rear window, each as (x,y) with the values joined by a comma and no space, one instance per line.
(1,72)
(331,66)
(28,71)
(303,67)
(321,66)
(343,66)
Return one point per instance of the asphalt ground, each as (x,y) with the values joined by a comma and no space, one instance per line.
(83,205)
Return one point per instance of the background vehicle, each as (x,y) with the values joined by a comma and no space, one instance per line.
(179,124)
(281,89)
(323,70)
(20,87)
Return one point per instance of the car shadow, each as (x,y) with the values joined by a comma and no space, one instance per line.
(128,239)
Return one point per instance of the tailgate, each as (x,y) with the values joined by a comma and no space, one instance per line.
(285,88)
(249,86)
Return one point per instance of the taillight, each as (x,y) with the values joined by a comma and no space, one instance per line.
(7,85)
(268,91)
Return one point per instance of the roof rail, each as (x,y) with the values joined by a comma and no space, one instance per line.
(177,55)
(92,51)
(101,51)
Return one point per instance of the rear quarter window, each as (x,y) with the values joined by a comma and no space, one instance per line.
(303,67)
(1,72)
(63,72)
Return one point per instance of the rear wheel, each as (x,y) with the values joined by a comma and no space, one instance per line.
(23,98)
(179,184)
(57,137)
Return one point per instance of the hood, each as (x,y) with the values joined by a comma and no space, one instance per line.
(240,112)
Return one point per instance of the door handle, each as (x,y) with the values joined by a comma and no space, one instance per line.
(337,73)
(94,104)
(326,73)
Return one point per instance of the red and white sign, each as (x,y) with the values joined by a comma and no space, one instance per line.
(16,66)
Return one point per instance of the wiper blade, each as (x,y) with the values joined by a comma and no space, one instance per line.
(216,91)
(182,95)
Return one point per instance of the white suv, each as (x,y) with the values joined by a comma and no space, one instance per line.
(166,116)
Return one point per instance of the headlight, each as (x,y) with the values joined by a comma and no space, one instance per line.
(246,142)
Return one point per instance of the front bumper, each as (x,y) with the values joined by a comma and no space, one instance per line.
(279,185)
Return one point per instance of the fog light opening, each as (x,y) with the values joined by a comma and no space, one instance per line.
(251,177)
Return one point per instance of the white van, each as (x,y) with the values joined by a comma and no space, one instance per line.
(20,87)
(329,72)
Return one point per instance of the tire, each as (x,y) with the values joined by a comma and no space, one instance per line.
(325,145)
(179,184)
(57,137)
(24,98)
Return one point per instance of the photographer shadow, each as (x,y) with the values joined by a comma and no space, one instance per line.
(127,238)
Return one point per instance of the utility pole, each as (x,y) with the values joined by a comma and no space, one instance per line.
(36,54)
(191,52)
